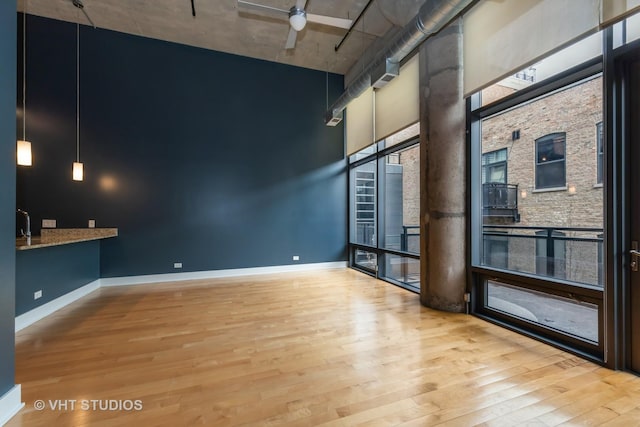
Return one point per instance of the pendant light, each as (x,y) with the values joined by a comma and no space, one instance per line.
(78,167)
(24,157)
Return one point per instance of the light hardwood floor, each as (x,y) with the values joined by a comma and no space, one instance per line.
(332,348)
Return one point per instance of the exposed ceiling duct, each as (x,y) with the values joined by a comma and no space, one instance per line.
(431,18)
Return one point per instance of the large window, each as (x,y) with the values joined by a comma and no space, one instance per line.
(385,209)
(537,217)
(554,233)
(565,315)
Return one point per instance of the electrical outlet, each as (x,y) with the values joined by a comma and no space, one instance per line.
(296,257)
(37,294)
(177,265)
(92,223)
(48,223)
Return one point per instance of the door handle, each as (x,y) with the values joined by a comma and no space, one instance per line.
(634,256)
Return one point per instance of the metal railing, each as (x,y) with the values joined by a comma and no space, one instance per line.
(569,253)
(527,75)
(499,196)
(500,200)
(408,241)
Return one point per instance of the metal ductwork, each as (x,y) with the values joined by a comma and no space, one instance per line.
(431,18)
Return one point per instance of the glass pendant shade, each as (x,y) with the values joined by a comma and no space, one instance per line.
(78,171)
(24,153)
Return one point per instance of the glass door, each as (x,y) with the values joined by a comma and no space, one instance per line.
(633,97)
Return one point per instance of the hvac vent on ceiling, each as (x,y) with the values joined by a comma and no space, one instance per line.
(383,74)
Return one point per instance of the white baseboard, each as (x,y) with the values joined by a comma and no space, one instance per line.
(32,316)
(10,404)
(216,274)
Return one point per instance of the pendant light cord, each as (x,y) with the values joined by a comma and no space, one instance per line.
(24,71)
(327,86)
(77,92)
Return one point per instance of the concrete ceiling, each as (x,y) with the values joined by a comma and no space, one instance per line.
(221,25)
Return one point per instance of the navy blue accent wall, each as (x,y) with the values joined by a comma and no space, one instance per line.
(213,160)
(7,192)
(56,271)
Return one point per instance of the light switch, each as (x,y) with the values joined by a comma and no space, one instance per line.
(92,223)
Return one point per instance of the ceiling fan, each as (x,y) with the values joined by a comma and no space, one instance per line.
(298,18)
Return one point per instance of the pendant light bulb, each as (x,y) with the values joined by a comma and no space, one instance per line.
(78,171)
(24,153)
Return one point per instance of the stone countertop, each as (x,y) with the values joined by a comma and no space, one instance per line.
(64,236)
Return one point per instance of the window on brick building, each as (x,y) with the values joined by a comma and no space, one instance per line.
(600,152)
(550,161)
(494,167)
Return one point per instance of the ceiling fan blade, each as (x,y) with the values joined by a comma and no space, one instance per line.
(261,7)
(301,4)
(328,20)
(291,39)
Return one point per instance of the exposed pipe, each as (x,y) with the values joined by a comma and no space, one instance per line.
(431,18)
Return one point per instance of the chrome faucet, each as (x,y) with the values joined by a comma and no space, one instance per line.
(26,234)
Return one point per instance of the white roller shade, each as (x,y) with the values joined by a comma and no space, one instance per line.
(398,103)
(502,37)
(615,10)
(360,122)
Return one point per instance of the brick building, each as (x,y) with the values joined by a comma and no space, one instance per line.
(542,184)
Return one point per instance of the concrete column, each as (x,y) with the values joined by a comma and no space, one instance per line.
(443,174)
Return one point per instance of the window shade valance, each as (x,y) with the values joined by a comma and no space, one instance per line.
(397,104)
(374,115)
(503,37)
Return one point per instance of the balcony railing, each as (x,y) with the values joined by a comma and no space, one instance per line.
(500,200)
(528,75)
(568,253)
(410,239)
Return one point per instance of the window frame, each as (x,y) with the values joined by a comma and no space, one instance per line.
(599,153)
